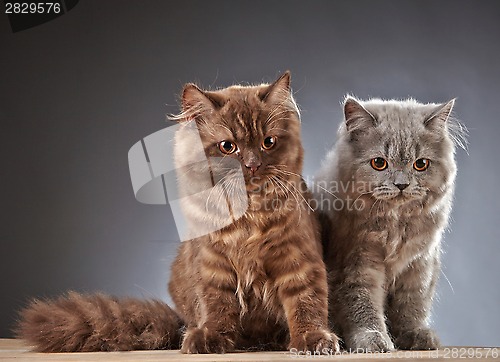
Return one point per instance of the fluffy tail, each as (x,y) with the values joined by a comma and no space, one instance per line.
(86,323)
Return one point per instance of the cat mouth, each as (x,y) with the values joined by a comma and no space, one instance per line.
(402,196)
(255,184)
(395,196)
(265,185)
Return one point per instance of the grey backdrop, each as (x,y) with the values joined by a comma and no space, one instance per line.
(78,92)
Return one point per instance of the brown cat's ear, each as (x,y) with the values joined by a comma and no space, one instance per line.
(277,91)
(356,116)
(440,115)
(196,102)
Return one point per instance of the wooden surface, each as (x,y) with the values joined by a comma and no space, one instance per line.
(11,349)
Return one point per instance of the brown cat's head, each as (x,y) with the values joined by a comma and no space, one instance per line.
(258,126)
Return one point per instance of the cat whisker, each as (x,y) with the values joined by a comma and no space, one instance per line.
(216,187)
(281,129)
(329,192)
(448,280)
(362,194)
(225,187)
(224,127)
(273,118)
(284,189)
(297,191)
(379,208)
(279,107)
(289,191)
(275,184)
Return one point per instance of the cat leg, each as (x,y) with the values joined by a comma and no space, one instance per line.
(409,305)
(357,303)
(216,331)
(303,294)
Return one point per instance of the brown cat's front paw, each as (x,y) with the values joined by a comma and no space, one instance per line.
(370,341)
(202,340)
(320,341)
(418,339)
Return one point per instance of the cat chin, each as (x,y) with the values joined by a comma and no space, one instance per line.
(255,185)
(265,191)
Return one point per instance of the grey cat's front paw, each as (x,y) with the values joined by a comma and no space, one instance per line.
(421,339)
(369,341)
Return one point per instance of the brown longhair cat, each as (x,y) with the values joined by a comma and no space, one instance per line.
(257,283)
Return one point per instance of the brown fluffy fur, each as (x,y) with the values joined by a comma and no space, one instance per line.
(86,323)
(258,283)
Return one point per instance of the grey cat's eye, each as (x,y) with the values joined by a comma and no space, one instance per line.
(378,163)
(227,147)
(421,164)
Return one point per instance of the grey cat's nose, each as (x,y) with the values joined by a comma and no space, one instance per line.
(402,186)
(253,165)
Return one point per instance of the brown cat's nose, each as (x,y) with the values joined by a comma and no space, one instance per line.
(253,165)
(402,186)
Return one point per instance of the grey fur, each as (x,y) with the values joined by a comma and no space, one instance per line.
(383,244)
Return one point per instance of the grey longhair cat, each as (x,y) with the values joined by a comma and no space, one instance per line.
(385,191)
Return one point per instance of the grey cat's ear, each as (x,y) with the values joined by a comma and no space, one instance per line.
(356,116)
(195,101)
(440,114)
(278,90)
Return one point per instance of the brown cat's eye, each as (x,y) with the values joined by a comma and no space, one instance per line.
(421,164)
(227,147)
(378,163)
(269,142)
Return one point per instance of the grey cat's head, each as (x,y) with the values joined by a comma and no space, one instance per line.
(400,151)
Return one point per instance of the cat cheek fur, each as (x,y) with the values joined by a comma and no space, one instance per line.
(384,259)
